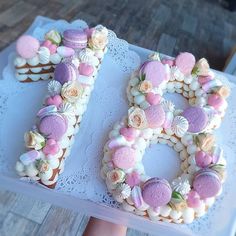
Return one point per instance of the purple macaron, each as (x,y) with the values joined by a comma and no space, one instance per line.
(154,72)
(156,192)
(65,71)
(197,119)
(53,126)
(76,39)
(207,183)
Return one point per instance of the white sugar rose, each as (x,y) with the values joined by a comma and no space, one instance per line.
(137,118)
(202,67)
(34,140)
(98,40)
(115,176)
(53,36)
(72,91)
(145,86)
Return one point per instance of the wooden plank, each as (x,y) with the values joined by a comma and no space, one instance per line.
(82,225)
(7,200)
(15,225)
(31,209)
(190,24)
(166,44)
(60,222)
(132,232)
(16,13)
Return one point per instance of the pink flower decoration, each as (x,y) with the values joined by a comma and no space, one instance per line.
(133,179)
(193,199)
(51,147)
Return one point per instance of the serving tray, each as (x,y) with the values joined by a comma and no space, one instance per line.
(80,186)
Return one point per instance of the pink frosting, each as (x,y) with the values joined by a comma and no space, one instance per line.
(55,100)
(215,101)
(153,99)
(51,147)
(133,179)
(203,159)
(193,199)
(204,79)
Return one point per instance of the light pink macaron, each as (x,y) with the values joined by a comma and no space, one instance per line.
(156,192)
(155,116)
(185,62)
(124,157)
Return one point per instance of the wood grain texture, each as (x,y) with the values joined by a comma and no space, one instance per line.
(201,27)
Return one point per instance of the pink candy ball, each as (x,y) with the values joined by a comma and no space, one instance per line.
(153,99)
(203,159)
(193,199)
(204,79)
(169,62)
(133,179)
(55,100)
(27,46)
(129,133)
(215,101)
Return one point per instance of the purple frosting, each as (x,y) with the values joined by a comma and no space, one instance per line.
(197,119)
(206,183)
(53,126)
(75,38)
(65,72)
(156,192)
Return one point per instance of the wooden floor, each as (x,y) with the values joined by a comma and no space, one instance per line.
(198,26)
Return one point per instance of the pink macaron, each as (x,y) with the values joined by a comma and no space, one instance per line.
(154,71)
(197,119)
(185,62)
(155,116)
(53,126)
(124,157)
(207,183)
(156,192)
(27,46)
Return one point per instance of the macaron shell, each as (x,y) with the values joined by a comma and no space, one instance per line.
(124,157)
(197,119)
(53,126)
(156,192)
(185,62)
(63,73)
(207,184)
(155,116)
(154,71)
(27,46)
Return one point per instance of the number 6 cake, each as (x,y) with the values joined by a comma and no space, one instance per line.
(50,140)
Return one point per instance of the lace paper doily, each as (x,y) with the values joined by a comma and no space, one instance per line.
(108,104)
